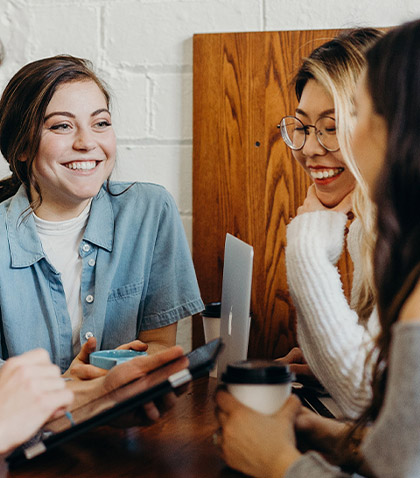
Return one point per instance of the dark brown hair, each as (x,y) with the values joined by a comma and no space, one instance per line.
(393,81)
(22,111)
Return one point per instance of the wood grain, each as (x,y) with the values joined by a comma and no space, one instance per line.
(179,445)
(245,180)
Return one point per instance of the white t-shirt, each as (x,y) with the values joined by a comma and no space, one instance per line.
(60,241)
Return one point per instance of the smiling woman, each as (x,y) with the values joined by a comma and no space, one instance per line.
(320,154)
(85,262)
(386,440)
(335,336)
(76,152)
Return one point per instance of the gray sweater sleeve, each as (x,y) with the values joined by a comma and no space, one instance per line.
(312,465)
(392,449)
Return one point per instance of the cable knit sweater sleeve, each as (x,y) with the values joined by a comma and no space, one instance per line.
(333,342)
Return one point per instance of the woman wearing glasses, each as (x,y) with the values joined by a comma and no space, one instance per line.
(387,148)
(335,337)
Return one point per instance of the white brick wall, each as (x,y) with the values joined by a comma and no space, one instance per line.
(143,50)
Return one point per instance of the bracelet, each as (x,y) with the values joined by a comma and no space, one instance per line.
(70,417)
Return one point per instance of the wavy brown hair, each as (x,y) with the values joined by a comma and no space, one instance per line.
(22,111)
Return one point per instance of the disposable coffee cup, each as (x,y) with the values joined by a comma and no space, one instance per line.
(263,385)
(211,325)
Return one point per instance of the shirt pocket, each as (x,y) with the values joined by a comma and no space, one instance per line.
(126,292)
(123,307)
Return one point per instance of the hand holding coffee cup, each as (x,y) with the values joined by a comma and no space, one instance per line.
(262,385)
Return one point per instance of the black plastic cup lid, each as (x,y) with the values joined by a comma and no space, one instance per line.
(212,310)
(258,372)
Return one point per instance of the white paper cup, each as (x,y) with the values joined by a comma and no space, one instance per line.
(211,326)
(262,385)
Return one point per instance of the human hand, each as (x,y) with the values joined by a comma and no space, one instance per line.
(129,371)
(102,393)
(297,362)
(319,433)
(331,438)
(140,366)
(81,368)
(31,391)
(256,444)
(312,203)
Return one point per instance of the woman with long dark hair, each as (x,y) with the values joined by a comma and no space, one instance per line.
(386,145)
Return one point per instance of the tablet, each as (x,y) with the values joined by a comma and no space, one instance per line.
(129,397)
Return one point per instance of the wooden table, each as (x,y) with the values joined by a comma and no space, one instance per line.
(179,445)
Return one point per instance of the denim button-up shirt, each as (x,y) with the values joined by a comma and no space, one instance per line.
(137,274)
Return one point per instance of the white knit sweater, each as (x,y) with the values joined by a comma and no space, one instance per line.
(333,342)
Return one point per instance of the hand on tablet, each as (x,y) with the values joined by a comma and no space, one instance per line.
(139,367)
(31,391)
(94,396)
(81,368)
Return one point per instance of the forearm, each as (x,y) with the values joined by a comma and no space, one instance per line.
(346,451)
(85,391)
(334,344)
(90,398)
(333,440)
(159,339)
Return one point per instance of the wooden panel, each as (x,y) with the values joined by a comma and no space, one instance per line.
(245,180)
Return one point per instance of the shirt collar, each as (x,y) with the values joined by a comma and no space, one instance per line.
(100,226)
(25,245)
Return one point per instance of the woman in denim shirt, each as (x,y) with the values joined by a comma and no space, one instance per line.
(85,262)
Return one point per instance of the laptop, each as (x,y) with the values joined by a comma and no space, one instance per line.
(314,396)
(236,300)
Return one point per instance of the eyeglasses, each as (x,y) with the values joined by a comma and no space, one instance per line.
(294,132)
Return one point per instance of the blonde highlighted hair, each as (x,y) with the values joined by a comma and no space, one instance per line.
(337,66)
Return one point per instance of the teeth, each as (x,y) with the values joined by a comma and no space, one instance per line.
(85,165)
(326,173)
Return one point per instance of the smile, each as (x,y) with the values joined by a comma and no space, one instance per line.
(81,165)
(325,173)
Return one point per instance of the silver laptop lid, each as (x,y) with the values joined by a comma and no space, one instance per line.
(236,299)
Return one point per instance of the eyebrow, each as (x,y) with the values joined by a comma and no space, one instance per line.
(71,115)
(323,113)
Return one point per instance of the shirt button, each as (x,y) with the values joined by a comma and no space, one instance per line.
(91,262)
(88,335)
(86,247)
(89,299)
